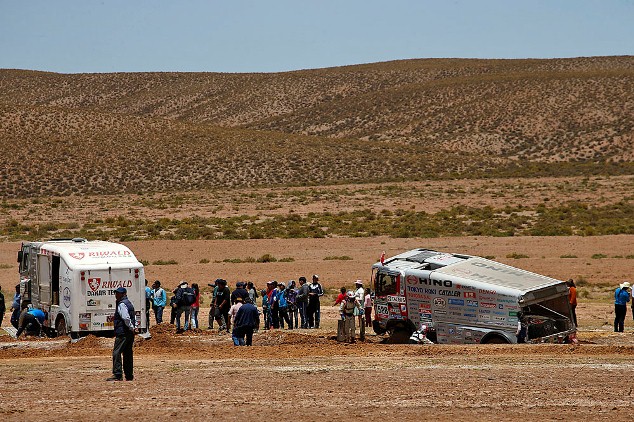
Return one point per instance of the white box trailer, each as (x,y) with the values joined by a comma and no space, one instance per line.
(467,299)
(73,280)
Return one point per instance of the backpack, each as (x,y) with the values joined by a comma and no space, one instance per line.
(189,296)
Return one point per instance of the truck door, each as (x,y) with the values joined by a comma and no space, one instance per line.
(386,287)
(43,287)
(418,298)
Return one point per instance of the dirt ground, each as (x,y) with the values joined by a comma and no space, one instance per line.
(311,377)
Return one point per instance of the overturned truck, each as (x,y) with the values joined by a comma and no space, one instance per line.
(467,299)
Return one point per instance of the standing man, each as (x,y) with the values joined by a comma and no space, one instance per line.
(148,304)
(223,304)
(3,306)
(315,291)
(302,301)
(621,297)
(160,300)
(124,329)
(15,307)
(212,305)
(184,295)
(247,320)
(572,299)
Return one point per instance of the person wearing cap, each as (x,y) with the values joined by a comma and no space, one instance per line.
(302,301)
(315,292)
(273,304)
(160,300)
(621,298)
(182,307)
(359,295)
(212,305)
(124,329)
(348,309)
(239,292)
(281,304)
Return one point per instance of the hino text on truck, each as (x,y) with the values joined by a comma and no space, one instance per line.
(467,299)
(73,281)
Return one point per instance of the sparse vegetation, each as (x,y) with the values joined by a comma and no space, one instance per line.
(599,256)
(168,262)
(516,255)
(339,258)
(568,256)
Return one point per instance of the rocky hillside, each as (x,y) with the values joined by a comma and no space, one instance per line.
(412,119)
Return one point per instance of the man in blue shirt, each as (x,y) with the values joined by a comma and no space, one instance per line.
(621,298)
(247,320)
(124,328)
(31,321)
(160,300)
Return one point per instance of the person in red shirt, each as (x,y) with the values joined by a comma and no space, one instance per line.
(572,298)
(341,297)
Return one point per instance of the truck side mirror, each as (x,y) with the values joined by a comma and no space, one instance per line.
(19,256)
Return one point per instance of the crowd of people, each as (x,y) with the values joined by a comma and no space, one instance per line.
(289,305)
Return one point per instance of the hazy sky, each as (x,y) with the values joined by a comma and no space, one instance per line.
(265,36)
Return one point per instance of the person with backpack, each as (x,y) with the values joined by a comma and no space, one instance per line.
(282,307)
(184,299)
(291,299)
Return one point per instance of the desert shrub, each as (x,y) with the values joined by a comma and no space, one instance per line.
(267,258)
(598,256)
(204,261)
(338,258)
(568,256)
(516,255)
(287,259)
(161,262)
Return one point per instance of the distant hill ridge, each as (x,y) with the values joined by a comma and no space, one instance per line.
(431,118)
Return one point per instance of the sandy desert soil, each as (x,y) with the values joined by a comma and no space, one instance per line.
(197,375)
(201,374)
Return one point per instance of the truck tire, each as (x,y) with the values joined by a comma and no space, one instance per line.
(494,339)
(60,327)
(400,331)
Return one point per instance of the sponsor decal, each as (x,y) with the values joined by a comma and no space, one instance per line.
(487,292)
(421,290)
(448,293)
(396,299)
(469,295)
(485,317)
(92,302)
(440,302)
(439,312)
(484,311)
(452,331)
(513,313)
(77,255)
(500,318)
(418,296)
(109,254)
(470,315)
(381,310)
(472,303)
(500,306)
(424,306)
(66,297)
(488,305)
(513,319)
(439,283)
(459,302)
(94,283)
(411,279)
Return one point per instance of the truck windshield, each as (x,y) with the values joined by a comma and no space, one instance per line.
(385,284)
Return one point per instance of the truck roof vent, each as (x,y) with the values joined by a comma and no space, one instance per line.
(422,256)
(79,240)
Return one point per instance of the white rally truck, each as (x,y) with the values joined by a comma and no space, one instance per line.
(467,299)
(73,281)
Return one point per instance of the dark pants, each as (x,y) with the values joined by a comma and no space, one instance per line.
(313,313)
(293,313)
(239,334)
(222,318)
(148,305)
(158,314)
(15,318)
(123,346)
(619,317)
(574,314)
(301,306)
(275,317)
(267,318)
(172,315)
(180,311)
(283,315)
(31,325)
(368,315)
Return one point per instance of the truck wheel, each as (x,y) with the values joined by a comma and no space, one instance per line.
(495,339)
(399,335)
(60,327)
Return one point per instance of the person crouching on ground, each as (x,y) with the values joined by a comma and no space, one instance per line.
(247,320)
(30,321)
(124,330)
(621,298)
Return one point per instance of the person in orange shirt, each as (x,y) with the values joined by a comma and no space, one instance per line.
(572,298)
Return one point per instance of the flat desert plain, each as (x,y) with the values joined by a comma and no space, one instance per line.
(305,375)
